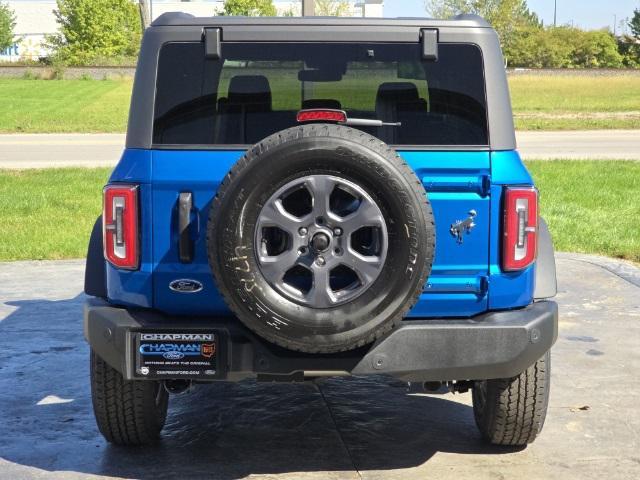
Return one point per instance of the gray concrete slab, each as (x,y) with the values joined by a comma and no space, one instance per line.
(104,150)
(349,428)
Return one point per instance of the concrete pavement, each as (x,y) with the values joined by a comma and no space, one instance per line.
(596,144)
(60,150)
(347,429)
(97,150)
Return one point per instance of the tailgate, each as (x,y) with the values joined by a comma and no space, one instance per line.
(457,182)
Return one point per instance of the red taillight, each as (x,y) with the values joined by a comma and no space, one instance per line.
(120,226)
(519,247)
(321,115)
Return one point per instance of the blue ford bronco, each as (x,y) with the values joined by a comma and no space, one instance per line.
(304,198)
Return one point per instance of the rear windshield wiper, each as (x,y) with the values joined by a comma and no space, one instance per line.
(340,117)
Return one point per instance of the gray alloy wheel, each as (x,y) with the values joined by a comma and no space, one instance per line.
(341,231)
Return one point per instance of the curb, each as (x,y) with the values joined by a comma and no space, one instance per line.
(621,268)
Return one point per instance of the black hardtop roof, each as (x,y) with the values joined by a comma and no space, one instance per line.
(186,19)
(183,27)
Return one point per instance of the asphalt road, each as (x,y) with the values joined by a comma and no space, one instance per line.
(60,150)
(345,429)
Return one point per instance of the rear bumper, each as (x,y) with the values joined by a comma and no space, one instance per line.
(492,345)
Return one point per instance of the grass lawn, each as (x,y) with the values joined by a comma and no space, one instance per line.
(63,106)
(48,214)
(591,207)
(539,102)
(575,103)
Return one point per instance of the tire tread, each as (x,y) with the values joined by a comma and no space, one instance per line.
(515,408)
(122,408)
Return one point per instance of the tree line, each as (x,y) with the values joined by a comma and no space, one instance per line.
(106,31)
(527,42)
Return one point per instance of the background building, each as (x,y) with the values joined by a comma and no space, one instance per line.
(35,20)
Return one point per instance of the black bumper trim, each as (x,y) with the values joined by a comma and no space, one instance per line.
(492,345)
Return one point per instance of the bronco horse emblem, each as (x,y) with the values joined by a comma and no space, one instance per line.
(459,228)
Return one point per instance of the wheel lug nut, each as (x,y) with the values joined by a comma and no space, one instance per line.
(337,231)
(321,261)
(303,231)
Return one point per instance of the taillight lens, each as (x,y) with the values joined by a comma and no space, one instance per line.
(321,115)
(120,226)
(519,248)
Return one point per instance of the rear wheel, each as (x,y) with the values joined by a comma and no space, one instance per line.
(511,411)
(127,412)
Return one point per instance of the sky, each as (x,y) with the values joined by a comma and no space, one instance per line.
(589,14)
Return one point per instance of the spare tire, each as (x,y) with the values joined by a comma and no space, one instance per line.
(321,238)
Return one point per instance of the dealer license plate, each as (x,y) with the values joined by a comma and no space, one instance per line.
(177,354)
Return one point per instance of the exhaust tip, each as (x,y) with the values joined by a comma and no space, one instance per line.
(176,387)
(432,387)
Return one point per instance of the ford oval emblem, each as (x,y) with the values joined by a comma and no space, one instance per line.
(173,355)
(185,285)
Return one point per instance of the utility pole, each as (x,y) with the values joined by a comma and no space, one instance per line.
(308,8)
(615,21)
(555,13)
(145,14)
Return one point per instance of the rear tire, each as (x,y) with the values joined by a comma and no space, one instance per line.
(127,412)
(511,411)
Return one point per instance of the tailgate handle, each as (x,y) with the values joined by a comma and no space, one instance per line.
(185,244)
(429,44)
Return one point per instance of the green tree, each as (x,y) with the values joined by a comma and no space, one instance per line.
(540,48)
(250,8)
(93,30)
(634,23)
(629,48)
(565,47)
(7,24)
(595,49)
(629,45)
(508,17)
(496,12)
(332,8)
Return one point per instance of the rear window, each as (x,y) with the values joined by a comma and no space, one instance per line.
(256,89)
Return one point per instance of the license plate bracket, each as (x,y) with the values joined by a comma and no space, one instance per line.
(177,355)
